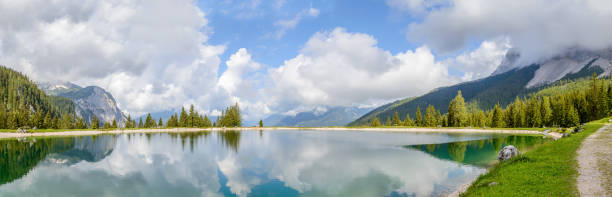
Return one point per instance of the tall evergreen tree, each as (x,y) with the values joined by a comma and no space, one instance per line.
(408,121)
(497,117)
(396,120)
(430,116)
(95,123)
(457,111)
(418,118)
(375,122)
(140,124)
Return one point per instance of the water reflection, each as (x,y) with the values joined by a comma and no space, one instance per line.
(481,152)
(252,163)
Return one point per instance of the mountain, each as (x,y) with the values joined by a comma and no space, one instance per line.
(89,101)
(506,83)
(334,116)
(22,103)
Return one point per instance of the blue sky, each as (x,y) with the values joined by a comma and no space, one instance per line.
(285,56)
(372,17)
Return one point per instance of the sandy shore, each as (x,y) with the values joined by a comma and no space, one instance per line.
(179,130)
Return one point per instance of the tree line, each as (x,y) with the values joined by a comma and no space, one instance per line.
(230,117)
(559,107)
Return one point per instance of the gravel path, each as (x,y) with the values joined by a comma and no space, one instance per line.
(595,164)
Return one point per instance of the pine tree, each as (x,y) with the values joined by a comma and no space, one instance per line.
(457,111)
(430,116)
(160,123)
(396,120)
(497,117)
(183,118)
(260,123)
(418,118)
(572,119)
(80,124)
(128,122)
(388,122)
(192,115)
(140,124)
(375,122)
(408,121)
(206,121)
(95,123)
(546,111)
(114,124)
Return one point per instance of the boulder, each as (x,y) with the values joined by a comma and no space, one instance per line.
(507,152)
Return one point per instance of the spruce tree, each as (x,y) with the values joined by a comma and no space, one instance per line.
(498,117)
(430,116)
(418,118)
(546,111)
(396,120)
(375,122)
(140,124)
(457,111)
(408,121)
(260,123)
(95,123)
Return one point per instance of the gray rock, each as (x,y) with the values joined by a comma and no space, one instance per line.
(493,184)
(507,153)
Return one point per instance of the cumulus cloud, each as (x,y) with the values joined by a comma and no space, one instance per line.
(482,61)
(536,28)
(342,68)
(152,56)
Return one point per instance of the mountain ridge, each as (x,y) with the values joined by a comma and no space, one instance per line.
(506,83)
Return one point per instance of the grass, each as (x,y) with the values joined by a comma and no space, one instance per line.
(548,170)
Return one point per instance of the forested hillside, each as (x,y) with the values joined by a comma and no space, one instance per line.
(485,93)
(23,104)
(564,104)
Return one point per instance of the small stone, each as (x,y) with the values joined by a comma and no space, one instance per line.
(493,184)
(507,153)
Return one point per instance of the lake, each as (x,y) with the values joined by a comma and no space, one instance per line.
(250,163)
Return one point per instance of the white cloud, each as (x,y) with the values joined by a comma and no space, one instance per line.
(151,56)
(482,61)
(238,66)
(340,68)
(537,28)
(286,25)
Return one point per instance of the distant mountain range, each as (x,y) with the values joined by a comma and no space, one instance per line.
(333,116)
(507,82)
(89,101)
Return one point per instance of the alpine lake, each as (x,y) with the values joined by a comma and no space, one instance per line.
(250,163)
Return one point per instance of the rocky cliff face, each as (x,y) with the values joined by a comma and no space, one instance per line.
(558,67)
(89,101)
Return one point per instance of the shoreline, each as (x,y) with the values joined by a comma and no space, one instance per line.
(4,135)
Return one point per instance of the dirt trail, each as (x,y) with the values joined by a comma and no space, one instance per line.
(595,164)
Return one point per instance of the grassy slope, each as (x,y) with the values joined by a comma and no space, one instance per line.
(549,170)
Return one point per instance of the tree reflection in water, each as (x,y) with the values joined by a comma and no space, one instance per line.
(477,152)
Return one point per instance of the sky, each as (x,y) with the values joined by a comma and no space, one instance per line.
(285,56)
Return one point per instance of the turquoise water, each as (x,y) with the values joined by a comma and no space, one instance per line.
(249,163)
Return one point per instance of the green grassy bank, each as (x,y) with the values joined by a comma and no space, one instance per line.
(549,170)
